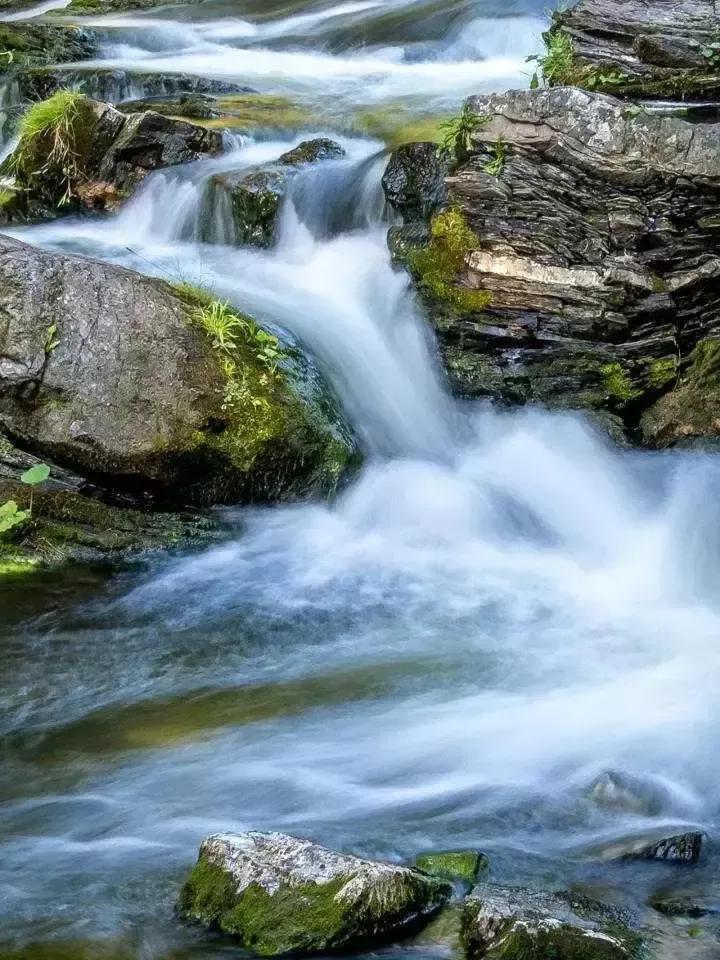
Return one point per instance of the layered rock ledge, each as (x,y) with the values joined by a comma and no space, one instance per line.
(592,231)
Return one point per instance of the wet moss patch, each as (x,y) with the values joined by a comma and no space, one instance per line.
(437,266)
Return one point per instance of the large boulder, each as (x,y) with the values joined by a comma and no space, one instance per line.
(102,156)
(111,374)
(508,923)
(576,258)
(414,180)
(282,895)
(667,48)
(253,198)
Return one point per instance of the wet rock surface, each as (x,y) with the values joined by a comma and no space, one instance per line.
(682,848)
(662,49)
(505,923)
(247,203)
(461,866)
(104,371)
(593,228)
(281,895)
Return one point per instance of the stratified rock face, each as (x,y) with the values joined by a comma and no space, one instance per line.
(116,86)
(666,48)
(106,372)
(594,228)
(506,923)
(283,895)
(247,203)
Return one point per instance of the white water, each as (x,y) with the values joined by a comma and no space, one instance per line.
(508,604)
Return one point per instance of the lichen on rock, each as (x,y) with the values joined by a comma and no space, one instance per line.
(281,895)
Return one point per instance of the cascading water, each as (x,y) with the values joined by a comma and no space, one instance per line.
(499,609)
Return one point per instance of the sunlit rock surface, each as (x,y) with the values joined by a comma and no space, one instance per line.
(283,895)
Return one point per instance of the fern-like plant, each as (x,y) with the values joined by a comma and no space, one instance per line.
(457,133)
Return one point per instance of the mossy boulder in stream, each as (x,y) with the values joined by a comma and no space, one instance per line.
(283,895)
(160,393)
(511,923)
(246,204)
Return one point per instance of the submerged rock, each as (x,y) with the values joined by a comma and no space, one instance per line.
(682,848)
(678,904)
(110,374)
(575,259)
(667,49)
(508,923)
(282,895)
(614,790)
(464,866)
(247,203)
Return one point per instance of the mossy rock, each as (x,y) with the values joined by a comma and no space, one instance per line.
(32,44)
(281,895)
(690,412)
(192,422)
(512,923)
(464,866)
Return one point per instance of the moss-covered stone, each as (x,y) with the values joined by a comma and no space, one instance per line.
(253,112)
(437,267)
(464,866)
(280,895)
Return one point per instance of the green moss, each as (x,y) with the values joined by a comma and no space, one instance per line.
(437,265)
(17,568)
(299,918)
(267,430)
(705,368)
(208,894)
(396,125)
(54,139)
(555,943)
(456,865)
(663,372)
(618,384)
(256,111)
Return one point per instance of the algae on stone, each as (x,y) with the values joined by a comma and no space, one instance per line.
(464,866)
(281,895)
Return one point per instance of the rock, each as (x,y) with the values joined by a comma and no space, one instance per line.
(464,866)
(509,923)
(683,848)
(254,197)
(576,255)
(111,152)
(691,411)
(110,374)
(187,106)
(121,86)
(666,49)
(614,790)
(282,895)
(33,44)
(312,151)
(674,904)
(71,521)
(414,180)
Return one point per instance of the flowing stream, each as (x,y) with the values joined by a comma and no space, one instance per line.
(500,608)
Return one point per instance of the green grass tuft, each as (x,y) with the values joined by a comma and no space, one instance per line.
(49,155)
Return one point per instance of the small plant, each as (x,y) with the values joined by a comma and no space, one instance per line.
(230,333)
(32,477)
(48,155)
(711,51)
(498,155)
(457,133)
(557,64)
(11,515)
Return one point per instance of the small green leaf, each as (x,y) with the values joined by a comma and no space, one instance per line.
(37,474)
(534,81)
(11,516)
